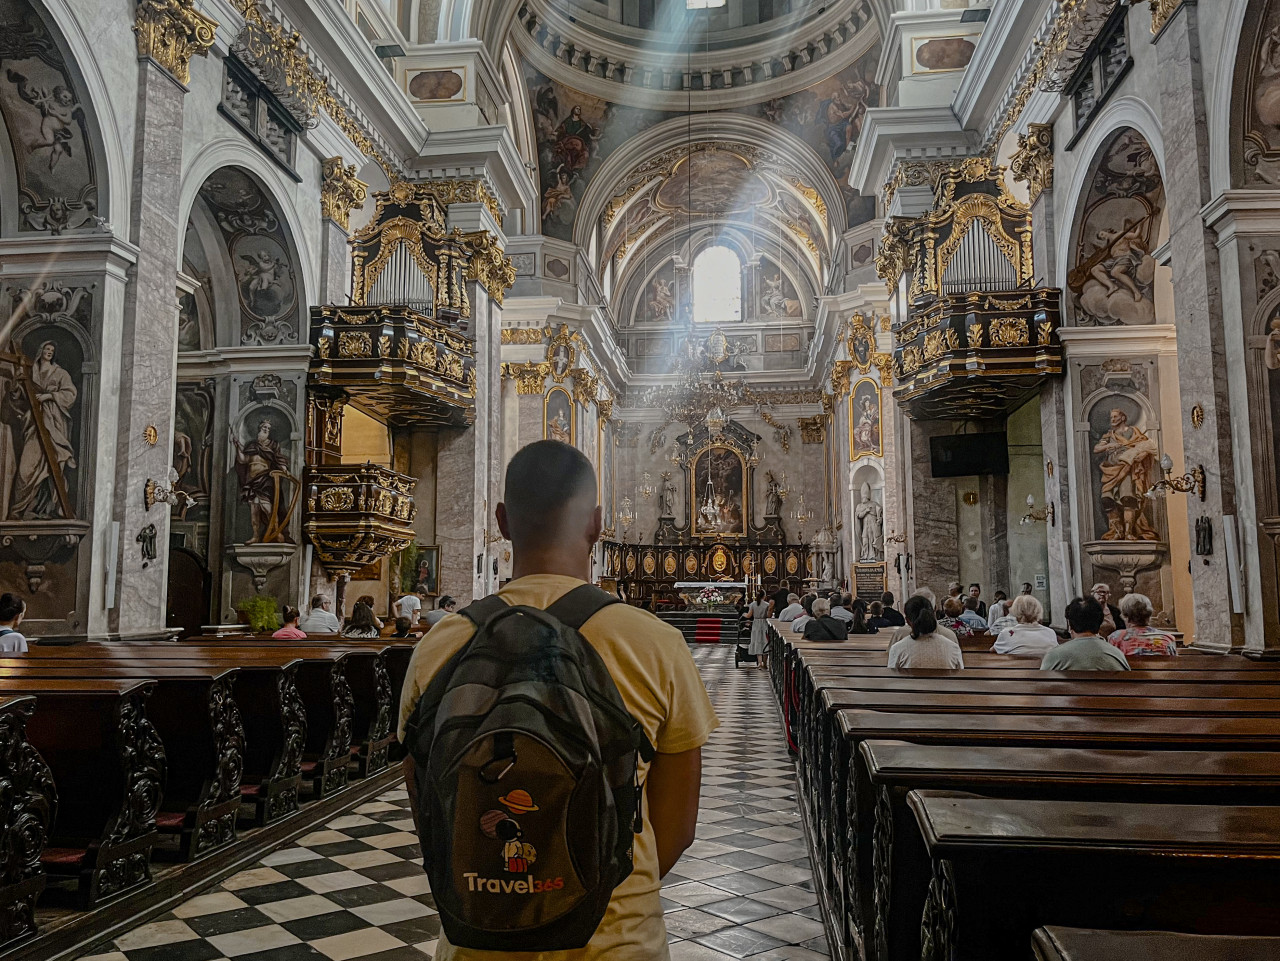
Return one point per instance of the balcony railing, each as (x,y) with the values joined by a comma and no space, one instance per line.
(397,364)
(357,514)
(977,355)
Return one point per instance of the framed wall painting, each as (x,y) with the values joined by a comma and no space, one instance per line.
(865,434)
(718,500)
(558,416)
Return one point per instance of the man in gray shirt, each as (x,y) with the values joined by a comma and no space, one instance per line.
(1086,651)
(320,620)
(447,605)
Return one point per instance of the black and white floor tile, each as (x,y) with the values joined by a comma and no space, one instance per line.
(355,888)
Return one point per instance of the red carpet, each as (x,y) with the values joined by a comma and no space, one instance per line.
(708,630)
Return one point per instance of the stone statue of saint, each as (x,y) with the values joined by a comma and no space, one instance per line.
(773,496)
(669,499)
(828,572)
(870,528)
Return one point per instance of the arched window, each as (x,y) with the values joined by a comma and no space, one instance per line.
(717,286)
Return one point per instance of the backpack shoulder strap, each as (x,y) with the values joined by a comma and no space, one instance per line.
(479,612)
(580,605)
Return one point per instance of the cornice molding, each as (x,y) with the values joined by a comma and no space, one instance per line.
(821,48)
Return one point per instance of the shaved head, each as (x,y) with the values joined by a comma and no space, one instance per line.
(550,495)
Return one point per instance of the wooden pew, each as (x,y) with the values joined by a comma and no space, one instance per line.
(323,686)
(109,765)
(272,713)
(1080,944)
(853,856)
(899,877)
(28,807)
(205,748)
(373,698)
(1002,868)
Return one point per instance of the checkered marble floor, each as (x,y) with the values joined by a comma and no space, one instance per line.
(355,888)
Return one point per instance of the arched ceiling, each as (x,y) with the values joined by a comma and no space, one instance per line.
(783,160)
(725,182)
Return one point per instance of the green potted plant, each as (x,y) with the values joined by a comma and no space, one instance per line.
(262,612)
(408,561)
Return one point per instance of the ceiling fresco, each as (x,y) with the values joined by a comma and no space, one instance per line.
(576,132)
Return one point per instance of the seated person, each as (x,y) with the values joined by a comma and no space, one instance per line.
(889,612)
(290,631)
(842,606)
(806,613)
(861,623)
(792,610)
(12,609)
(362,623)
(952,608)
(999,607)
(822,626)
(404,628)
(924,648)
(905,630)
(875,617)
(1027,637)
(977,623)
(1138,637)
(1086,651)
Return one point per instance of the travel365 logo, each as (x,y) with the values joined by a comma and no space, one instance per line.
(516,855)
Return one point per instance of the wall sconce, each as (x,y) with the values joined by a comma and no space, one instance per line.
(896,538)
(1192,481)
(154,494)
(646,488)
(1034,516)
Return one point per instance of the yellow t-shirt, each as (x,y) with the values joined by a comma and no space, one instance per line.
(650,664)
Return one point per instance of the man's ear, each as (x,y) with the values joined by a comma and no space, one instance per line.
(504,526)
(596,526)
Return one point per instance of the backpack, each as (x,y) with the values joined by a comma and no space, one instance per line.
(528,797)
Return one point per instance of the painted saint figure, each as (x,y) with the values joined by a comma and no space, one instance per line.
(35,491)
(260,465)
(558,427)
(866,433)
(1127,468)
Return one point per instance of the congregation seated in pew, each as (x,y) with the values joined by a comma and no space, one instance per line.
(1027,637)
(1086,651)
(905,629)
(290,630)
(12,610)
(822,626)
(952,620)
(1138,637)
(924,647)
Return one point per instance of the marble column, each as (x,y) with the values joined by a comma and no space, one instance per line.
(149,352)
(468,470)
(933,531)
(1202,355)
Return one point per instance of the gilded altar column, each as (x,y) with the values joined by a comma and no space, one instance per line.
(169,34)
(1202,357)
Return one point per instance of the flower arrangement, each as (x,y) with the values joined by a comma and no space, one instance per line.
(710,597)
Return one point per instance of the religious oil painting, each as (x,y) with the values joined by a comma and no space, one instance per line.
(719,493)
(261,451)
(557,416)
(426,577)
(41,422)
(1113,280)
(865,436)
(1126,463)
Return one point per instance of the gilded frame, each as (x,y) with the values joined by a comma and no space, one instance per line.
(546,421)
(862,343)
(561,351)
(693,493)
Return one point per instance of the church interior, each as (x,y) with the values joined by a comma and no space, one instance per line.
(850,300)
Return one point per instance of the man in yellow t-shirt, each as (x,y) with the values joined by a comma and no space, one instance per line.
(551,516)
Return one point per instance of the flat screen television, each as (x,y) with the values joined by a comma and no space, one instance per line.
(962,455)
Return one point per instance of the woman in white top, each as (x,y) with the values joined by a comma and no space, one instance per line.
(924,648)
(1027,638)
(12,609)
